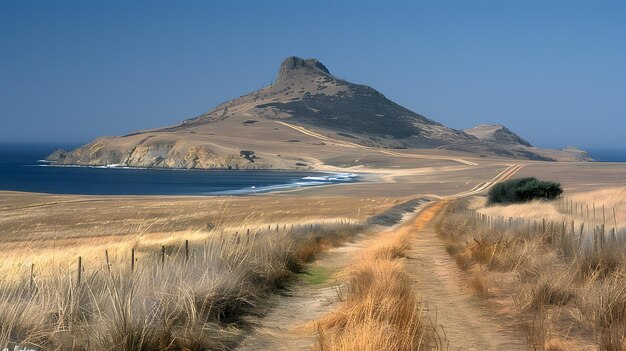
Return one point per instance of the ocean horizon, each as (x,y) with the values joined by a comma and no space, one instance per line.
(608,155)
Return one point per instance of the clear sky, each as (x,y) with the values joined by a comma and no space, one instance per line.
(553,71)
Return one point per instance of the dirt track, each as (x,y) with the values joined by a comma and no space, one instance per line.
(466,320)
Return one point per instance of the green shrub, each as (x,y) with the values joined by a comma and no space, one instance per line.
(522,190)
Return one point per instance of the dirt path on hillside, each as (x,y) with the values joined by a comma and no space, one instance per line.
(469,323)
(288,326)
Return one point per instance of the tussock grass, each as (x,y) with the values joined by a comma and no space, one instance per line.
(569,291)
(603,303)
(380,310)
(170,301)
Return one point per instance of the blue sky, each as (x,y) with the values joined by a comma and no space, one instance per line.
(553,71)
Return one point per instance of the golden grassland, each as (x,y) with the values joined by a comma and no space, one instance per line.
(565,288)
(191,297)
(381,309)
(54,230)
(242,249)
(192,282)
(609,205)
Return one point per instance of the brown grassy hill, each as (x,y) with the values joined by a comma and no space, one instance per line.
(304,118)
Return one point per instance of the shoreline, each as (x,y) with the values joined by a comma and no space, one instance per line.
(300,179)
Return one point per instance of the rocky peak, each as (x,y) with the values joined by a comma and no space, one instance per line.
(295,64)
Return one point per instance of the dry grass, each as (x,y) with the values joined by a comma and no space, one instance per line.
(613,198)
(569,292)
(381,310)
(480,286)
(169,302)
(603,303)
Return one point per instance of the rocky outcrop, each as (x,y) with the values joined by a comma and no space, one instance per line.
(290,64)
(158,155)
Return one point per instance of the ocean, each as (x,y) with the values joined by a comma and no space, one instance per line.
(22,169)
(608,155)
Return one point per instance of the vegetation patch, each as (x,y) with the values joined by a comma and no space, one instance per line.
(316,275)
(523,190)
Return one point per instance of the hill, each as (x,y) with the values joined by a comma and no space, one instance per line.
(497,134)
(307,119)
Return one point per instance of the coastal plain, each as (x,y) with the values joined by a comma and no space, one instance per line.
(47,220)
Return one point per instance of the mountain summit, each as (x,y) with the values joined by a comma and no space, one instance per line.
(292,63)
(307,106)
(306,92)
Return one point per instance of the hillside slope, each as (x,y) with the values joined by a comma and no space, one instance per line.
(305,119)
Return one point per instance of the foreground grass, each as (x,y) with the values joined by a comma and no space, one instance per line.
(569,291)
(380,309)
(169,300)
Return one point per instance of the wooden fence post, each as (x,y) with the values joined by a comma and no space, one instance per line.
(162,255)
(132,260)
(106,258)
(187,248)
(32,275)
(80,269)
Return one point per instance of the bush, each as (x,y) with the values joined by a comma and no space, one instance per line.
(522,190)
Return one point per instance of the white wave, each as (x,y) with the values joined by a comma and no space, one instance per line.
(322,178)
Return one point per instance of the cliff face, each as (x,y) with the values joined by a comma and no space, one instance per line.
(329,110)
(160,155)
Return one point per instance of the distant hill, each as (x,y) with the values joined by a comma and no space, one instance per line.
(497,133)
(305,102)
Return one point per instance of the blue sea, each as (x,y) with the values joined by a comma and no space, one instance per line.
(22,169)
(608,155)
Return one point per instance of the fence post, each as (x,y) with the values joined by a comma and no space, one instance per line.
(132,260)
(162,256)
(106,258)
(187,248)
(602,236)
(32,275)
(80,269)
(594,214)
